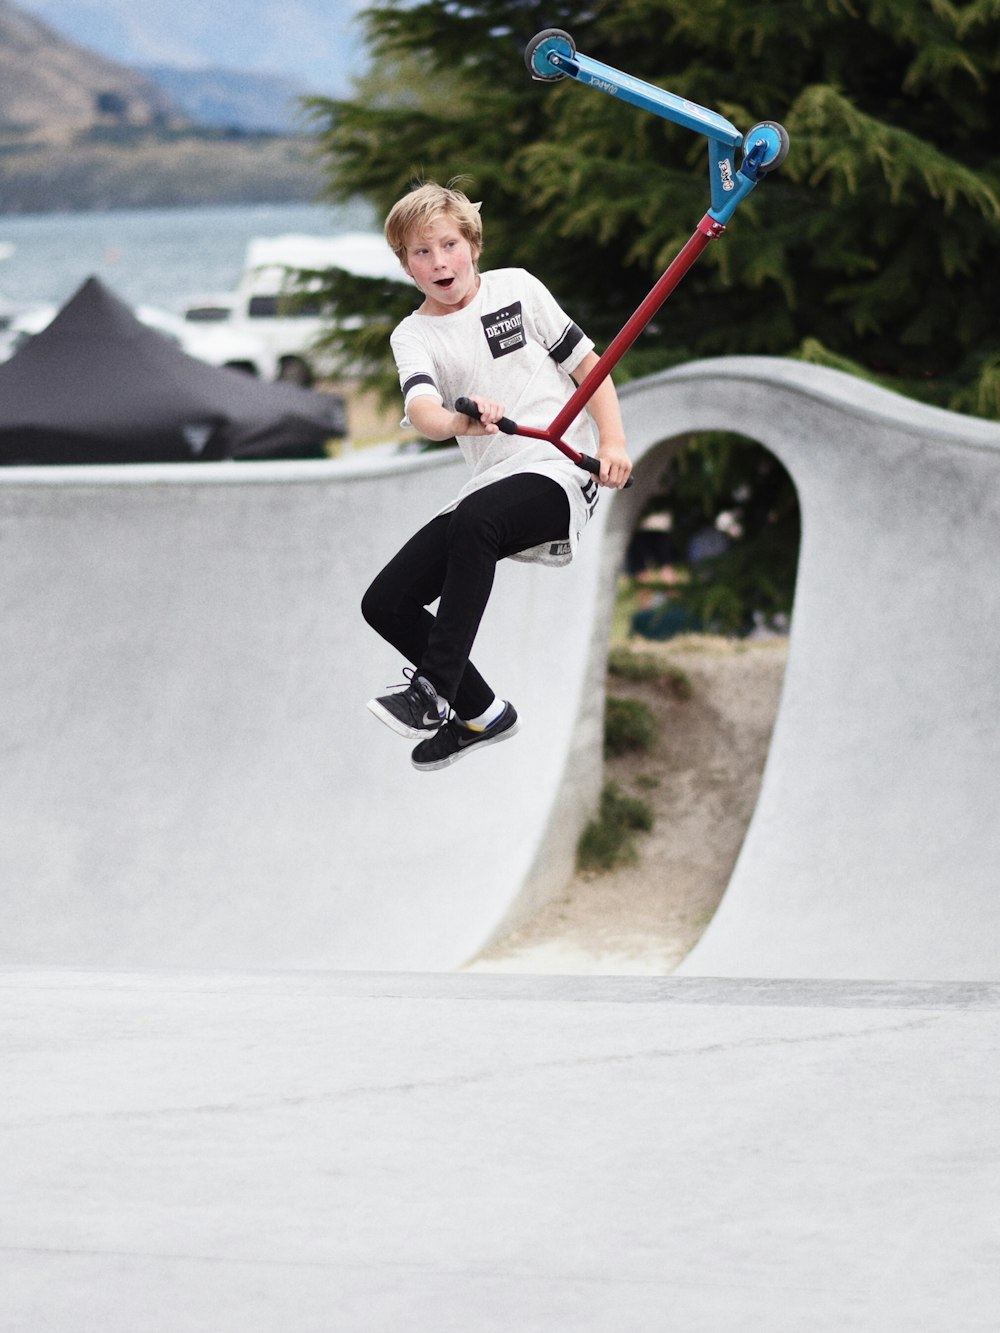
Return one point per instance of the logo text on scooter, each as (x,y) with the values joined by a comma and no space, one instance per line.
(604,86)
(726,172)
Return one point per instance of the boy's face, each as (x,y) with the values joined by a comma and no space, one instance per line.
(443,265)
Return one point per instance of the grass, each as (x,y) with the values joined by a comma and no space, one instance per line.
(629,726)
(627,664)
(607,840)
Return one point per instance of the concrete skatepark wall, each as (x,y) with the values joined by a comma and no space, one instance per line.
(189,776)
(875,845)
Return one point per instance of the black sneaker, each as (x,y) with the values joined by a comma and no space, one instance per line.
(412,712)
(455,739)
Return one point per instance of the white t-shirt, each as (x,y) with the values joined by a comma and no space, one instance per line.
(513,344)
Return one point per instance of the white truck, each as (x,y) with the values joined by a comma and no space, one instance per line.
(263,301)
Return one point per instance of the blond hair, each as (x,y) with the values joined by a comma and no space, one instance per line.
(425,203)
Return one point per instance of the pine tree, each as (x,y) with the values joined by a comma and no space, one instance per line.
(875,248)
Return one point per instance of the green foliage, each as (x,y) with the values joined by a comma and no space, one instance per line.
(874,249)
(607,841)
(875,245)
(737,493)
(627,664)
(628,726)
(719,474)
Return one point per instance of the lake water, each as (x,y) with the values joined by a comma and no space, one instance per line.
(155,256)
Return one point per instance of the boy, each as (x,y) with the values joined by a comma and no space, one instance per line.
(501,339)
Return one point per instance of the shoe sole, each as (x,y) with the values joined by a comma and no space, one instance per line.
(394,724)
(504,735)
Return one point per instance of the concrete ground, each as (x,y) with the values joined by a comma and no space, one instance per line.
(239,1153)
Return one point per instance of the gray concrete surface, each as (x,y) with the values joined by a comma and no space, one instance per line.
(239,1153)
(206,1128)
(188,772)
(189,776)
(875,846)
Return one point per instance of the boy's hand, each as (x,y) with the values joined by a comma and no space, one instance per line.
(489,414)
(616,466)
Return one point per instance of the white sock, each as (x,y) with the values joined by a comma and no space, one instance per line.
(486,719)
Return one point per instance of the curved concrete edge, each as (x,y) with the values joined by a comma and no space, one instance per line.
(846,395)
(375,462)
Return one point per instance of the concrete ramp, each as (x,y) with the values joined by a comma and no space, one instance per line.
(188,772)
(188,775)
(875,847)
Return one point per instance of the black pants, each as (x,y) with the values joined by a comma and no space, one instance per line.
(454,557)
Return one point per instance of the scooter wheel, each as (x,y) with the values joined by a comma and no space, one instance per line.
(536,54)
(775,139)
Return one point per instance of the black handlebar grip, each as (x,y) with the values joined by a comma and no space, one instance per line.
(468,409)
(592,465)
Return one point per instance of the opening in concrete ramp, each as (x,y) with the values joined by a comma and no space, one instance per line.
(190,778)
(873,848)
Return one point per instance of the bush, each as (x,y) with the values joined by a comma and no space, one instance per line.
(607,841)
(628,726)
(625,664)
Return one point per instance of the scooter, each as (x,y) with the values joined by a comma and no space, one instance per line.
(551,55)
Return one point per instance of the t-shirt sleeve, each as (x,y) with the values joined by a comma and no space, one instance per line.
(417,376)
(563,339)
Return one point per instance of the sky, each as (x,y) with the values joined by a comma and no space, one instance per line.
(312,42)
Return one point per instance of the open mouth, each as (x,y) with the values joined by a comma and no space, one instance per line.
(444,283)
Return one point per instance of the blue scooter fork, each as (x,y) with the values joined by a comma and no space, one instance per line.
(552,55)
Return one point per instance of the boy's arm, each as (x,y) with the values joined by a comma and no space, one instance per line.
(612,453)
(437,422)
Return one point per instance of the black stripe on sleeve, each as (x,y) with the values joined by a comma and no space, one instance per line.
(570,338)
(414,380)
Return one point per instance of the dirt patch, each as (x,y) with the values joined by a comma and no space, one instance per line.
(701,780)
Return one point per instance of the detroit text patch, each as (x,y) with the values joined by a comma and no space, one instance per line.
(504,330)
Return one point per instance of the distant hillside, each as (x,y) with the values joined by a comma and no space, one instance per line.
(51,89)
(81,132)
(313,42)
(150,173)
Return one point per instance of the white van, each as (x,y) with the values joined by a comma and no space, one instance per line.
(263,304)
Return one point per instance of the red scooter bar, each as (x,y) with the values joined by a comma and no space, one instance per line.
(507,427)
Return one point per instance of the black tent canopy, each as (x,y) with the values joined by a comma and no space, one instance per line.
(99,386)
